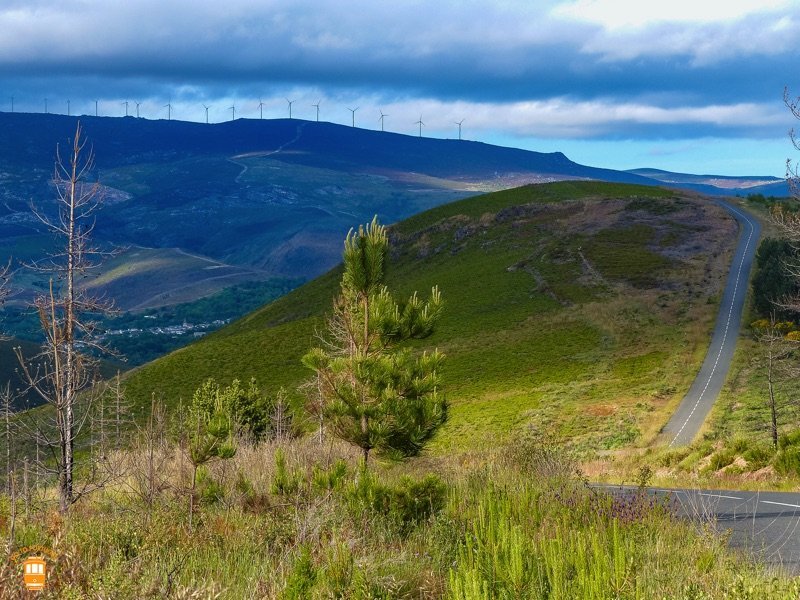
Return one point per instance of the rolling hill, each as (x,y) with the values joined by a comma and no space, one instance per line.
(719,184)
(254,199)
(580,308)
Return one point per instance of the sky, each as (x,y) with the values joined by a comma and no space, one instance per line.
(690,86)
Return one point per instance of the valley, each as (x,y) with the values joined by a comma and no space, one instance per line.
(576,316)
(578,309)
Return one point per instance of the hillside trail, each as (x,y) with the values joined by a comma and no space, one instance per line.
(690,415)
(298,135)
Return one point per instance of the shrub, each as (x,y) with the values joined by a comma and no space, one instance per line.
(722,459)
(406,504)
(302,577)
(758,456)
(331,478)
(284,483)
(538,456)
(209,490)
(787,461)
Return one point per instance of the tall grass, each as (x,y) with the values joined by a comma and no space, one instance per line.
(511,524)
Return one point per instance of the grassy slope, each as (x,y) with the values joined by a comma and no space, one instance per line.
(579,308)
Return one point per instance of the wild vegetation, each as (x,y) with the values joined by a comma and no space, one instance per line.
(577,308)
(300,519)
(570,308)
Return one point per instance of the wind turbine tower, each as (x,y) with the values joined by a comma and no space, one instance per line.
(206,107)
(68,111)
(317,106)
(381,118)
(137,109)
(353,111)
(260,110)
(420,123)
(45,106)
(459,128)
(168,106)
(290,107)
(12,104)
(96,114)
(126,107)
(233,112)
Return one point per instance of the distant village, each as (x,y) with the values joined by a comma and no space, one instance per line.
(197,330)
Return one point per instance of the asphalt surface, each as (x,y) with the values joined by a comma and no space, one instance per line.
(765,524)
(695,406)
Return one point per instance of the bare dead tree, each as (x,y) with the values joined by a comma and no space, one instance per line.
(5,278)
(792,172)
(778,342)
(788,221)
(63,372)
(5,288)
(281,418)
(7,408)
(12,492)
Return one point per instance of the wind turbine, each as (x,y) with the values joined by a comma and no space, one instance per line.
(68,113)
(12,104)
(137,108)
(168,106)
(126,107)
(381,118)
(353,110)
(45,106)
(95,109)
(459,128)
(290,107)
(206,107)
(233,112)
(420,123)
(260,111)
(317,105)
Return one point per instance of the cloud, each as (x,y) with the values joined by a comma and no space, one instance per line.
(703,31)
(559,69)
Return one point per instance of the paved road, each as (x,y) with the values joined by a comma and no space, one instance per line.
(695,406)
(766,524)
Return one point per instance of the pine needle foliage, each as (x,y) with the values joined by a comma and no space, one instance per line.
(372,392)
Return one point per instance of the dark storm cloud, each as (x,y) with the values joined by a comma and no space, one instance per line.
(534,59)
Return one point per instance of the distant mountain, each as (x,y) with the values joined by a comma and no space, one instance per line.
(202,207)
(719,184)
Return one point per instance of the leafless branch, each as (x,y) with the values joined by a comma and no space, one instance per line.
(63,373)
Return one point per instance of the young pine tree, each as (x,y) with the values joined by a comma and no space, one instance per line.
(373,393)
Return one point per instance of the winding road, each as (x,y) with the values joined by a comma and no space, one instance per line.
(684,424)
(764,524)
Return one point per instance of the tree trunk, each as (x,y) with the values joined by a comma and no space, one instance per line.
(13,516)
(774,414)
(365,436)
(772,406)
(191,495)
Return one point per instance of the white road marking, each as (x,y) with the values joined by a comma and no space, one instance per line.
(781,504)
(727,323)
(721,496)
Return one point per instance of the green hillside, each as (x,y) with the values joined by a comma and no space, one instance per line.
(579,308)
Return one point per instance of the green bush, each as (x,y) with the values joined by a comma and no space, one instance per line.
(787,461)
(284,483)
(722,459)
(302,577)
(209,490)
(406,504)
(331,478)
(758,456)
(790,439)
